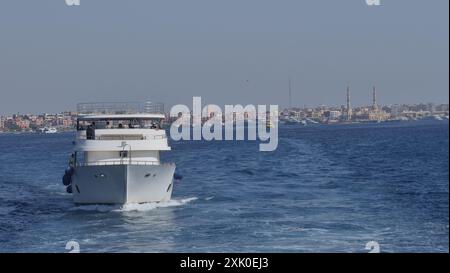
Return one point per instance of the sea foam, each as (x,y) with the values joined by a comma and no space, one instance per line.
(134,206)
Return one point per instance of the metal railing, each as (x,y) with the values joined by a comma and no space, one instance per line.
(119,108)
(125,137)
(118,163)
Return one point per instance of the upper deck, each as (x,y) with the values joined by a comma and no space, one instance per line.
(119,108)
(110,126)
(119,115)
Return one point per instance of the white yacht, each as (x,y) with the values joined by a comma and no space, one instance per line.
(116,159)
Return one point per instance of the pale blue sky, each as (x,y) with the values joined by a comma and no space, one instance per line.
(227,51)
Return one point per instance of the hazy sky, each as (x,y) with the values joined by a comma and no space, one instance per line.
(227,51)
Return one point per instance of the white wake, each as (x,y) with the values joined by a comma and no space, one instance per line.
(134,207)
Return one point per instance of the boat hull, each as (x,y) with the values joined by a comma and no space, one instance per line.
(122,184)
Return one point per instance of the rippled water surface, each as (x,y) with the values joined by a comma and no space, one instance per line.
(326,188)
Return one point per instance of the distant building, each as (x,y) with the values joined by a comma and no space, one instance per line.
(2,122)
(333,114)
(431,107)
(376,113)
(396,111)
(442,108)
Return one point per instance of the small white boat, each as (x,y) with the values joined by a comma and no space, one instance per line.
(295,121)
(436,117)
(311,121)
(50,130)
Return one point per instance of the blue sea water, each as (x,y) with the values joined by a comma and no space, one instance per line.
(325,189)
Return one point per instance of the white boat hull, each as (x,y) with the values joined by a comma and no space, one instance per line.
(122,184)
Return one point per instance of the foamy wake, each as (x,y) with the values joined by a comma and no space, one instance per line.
(150,206)
(135,207)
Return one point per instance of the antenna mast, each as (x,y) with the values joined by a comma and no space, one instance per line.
(290,94)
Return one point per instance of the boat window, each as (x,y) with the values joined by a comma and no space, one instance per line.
(123,154)
(120,124)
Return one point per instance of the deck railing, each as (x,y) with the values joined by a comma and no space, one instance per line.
(118,162)
(119,108)
(125,137)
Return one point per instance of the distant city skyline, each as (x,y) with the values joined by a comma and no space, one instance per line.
(343,107)
(228,52)
(324,115)
(167,107)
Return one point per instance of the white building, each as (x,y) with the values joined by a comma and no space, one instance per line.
(334,115)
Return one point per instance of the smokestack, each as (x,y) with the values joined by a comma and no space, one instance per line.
(290,94)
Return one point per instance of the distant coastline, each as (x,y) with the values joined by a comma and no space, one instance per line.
(335,124)
(66,121)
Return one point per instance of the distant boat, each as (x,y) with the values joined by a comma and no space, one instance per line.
(436,117)
(311,121)
(48,130)
(295,121)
